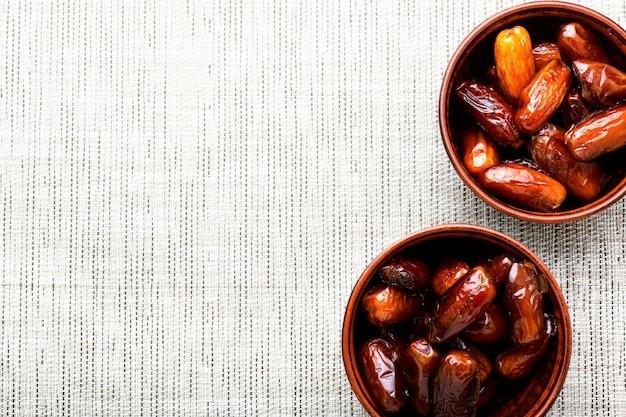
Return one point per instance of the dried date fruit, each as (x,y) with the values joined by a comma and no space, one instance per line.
(599,133)
(574,108)
(456,386)
(446,273)
(484,364)
(461,305)
(382,375)
(491,327)
(479,150)
(488,391)
(421,360)
(524,305)
(515,64)
(602,84)
(543,95)
(408,273)
(576,41)
(583,180)
(545,52)
(499,267)
(519,360)
(523,186)
(385,305)
(492,112)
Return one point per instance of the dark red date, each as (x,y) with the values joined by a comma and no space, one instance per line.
(446,273)
(491,327)
(421,360)
(457,385)
(382,375)
(574,108)
(389,304)
(577,41)
(602,84)
(545,52)
(492,112)
(499,267)
(518,361)
(601,132)
(523,302)
(461,305)
(584,180)
(411,274)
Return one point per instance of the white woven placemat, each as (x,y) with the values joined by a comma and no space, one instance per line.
(190,189)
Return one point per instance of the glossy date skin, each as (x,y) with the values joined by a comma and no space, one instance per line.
(492,112)
(447,272)
(412,274)
(545,52)
(457,385)
(601,132)
(515,64)
(576,41)
(524,305)
(602,84)
(583,180)
(461,305)
(385,305)
(523,186)
(518,361)
(574,108)
(491,327)
(499,267)
(543,96)
(421,360)
(479,150)
(380,366)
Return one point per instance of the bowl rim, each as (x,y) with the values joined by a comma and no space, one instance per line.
(474,37)
(487,234)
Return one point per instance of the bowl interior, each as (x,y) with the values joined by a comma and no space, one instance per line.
(464,242)
(474,56)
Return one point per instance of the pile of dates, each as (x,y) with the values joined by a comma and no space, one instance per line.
(444,339)
(554,108)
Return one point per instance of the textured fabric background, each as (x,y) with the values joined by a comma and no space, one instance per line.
(190,189)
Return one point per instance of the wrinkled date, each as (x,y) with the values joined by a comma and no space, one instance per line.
(448,357)
(543,96)
(602,84)
(565,81)
(492,112)
(385,305)
(576,41)
(461,305)
(515,64)
(411,274)
(585,180)
(457,385)
(523,303)
(380,365)
(599,133)
(523,186)
(421,360)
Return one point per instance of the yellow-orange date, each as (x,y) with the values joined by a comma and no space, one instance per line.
(515,64)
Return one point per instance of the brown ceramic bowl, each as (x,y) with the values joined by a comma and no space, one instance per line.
(475,55)
(529,397)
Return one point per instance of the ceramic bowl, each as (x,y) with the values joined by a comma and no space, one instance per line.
(529,397)
(473,58)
